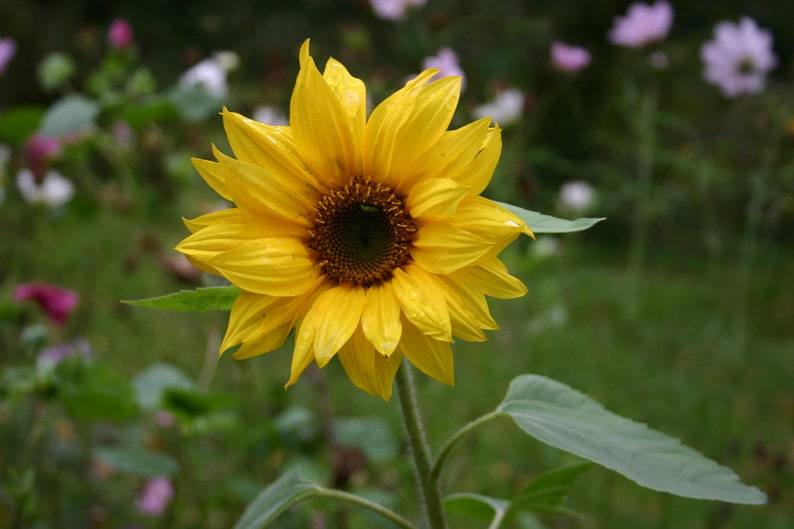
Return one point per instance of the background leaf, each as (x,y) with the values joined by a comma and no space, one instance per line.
(69,114)
(476,505)
(540,223)
(567,419)
(138,462)
(287,490)
(200,300)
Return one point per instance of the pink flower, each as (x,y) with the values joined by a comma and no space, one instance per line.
(738,58)
(568,58)
(446,61)
(394,9)
(56,301)
(39,150)
(120,34)
(642,25)
(156,495)
(7,49)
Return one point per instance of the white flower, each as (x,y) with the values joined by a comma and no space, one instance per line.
(446,60)
(394,9)
(642,25)
(270,116)
(576,196)
(738,58)
(209,75)
(228,60)
(53,191)
(505,108)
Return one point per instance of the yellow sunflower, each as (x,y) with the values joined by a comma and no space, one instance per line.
(366,235)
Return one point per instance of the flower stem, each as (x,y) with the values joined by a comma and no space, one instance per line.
(435,470)
(372,506)
(427,487)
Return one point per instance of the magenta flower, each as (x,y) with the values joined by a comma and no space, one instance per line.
(738,58)
(394,9)
(57,302)
(120,34)
(642,24)
(568,58)
(446,60)
(39,150)
(7,49)
(157,493)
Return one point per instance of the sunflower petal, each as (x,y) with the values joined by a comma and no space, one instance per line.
(422,301)
(478,172)
(442,248)
(352,95)
(432,357)
(367,368)
(214,174)
(380,318)
(337,313)
(435,198)
(495,281)
(245,318)
(276,267)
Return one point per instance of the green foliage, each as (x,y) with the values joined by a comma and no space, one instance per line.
(97,392)
(199,300)
(138,462)
(541,223)
(70,114)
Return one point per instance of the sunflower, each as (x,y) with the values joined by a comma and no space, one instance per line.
(367,236)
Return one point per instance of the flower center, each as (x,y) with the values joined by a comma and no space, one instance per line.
(746,66)
(361,233)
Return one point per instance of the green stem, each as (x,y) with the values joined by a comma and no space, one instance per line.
(372,506)
(428,488)
(435,471)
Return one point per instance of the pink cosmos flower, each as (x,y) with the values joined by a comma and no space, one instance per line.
(642,24)
(156,495)
(568,58)
(39,150)
(446,60)
(7,49)
(394,9)
(57,302)
(120,34)
(738,58)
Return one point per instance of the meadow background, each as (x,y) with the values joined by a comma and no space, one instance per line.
(676,311)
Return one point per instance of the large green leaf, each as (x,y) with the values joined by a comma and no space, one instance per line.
(19,122)
(69,114)
(567,419)
(200,300)
(540,223)
(547,492)
(286,491)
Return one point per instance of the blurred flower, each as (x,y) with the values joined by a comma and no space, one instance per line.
(447,62)
(270,116)
(394,9)
(122,134)
(506,108)
(55,70)
(7,49)
(545,247)
(57,353)
(209,75)
(738,58)
(156,495)
(376,240)
(642,24)
(568,58)
(53,190)
(164,419)
(120,34)
(39,150)
(576,196)
(228,60)
(57,302)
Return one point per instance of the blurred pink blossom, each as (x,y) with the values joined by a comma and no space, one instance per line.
(568,58)
(642,24)
(57,302)
(446,60)
(56,353)
(7,49)
(394,9)
(39,150)
(738,58)
(156,495)
(120,34)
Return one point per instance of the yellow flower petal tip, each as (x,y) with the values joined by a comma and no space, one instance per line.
(365,236)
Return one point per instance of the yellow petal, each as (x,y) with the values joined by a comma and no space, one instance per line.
(422,301)
(489,220)
(276,267)
(255,189)
(380,318)
(246,317)
(322,129)
(435,198)
(468,307)
(337,313)
(263,343)
(478,172)
(214,174)
(495,281)
(367,368)
(432,357)
(352,95)
(442,248)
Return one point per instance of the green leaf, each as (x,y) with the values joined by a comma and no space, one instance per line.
(97,392)
(546,493)
(286,491)
(200,300)
(476,505)
(194,103)
(569,420)
(540,223)
(151,384)
(138,462)
(69,114)
(19,122)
